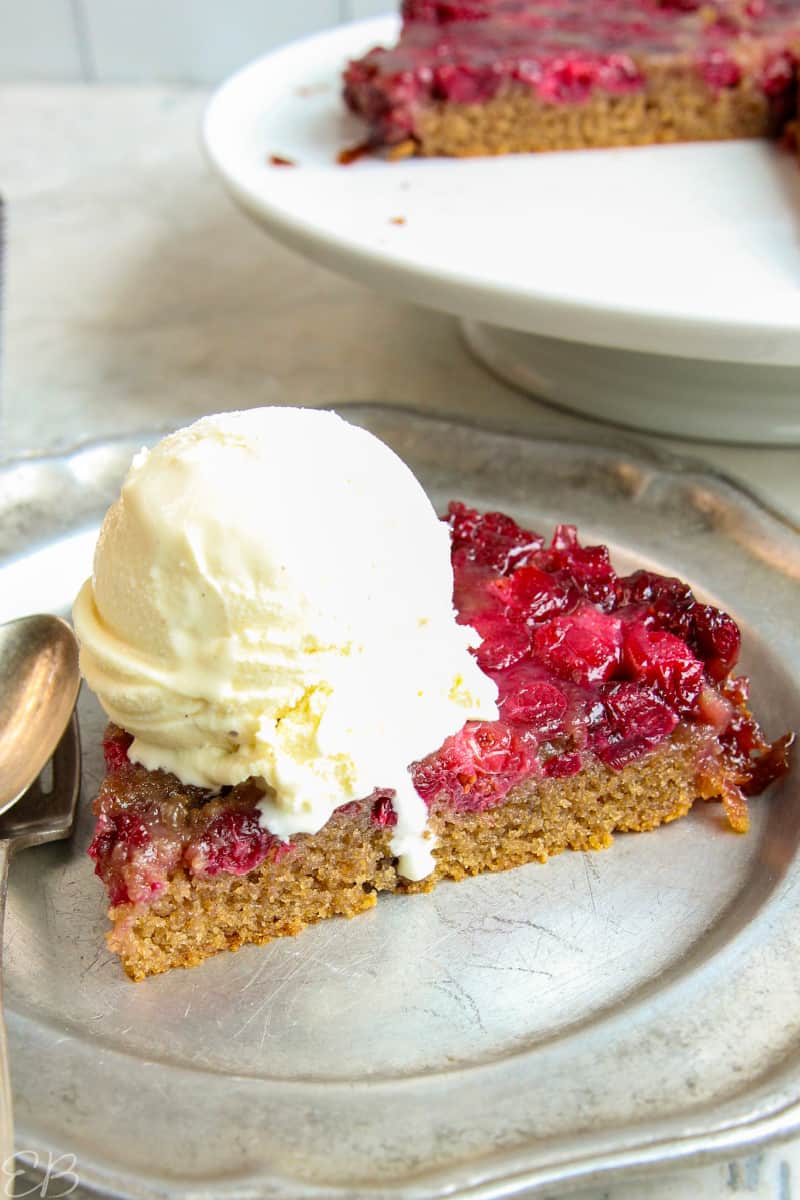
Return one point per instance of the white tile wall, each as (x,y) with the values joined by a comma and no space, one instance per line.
(39,40)
(371,8)
(195,41)
(192,40)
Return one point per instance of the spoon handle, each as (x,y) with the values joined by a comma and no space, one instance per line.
(6,1114)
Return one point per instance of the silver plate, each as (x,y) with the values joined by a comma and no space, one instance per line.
(546,1026)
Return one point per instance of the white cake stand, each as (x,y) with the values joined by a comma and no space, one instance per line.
(656,287)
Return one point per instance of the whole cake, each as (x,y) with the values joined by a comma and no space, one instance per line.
(472,77)
(320,691)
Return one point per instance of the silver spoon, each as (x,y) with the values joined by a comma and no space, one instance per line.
(39,685)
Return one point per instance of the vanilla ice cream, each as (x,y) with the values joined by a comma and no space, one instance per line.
(272,597)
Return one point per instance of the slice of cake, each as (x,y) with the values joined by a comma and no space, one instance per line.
(473,77)
(302,720)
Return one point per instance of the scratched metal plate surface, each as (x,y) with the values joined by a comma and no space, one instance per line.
(601,1013)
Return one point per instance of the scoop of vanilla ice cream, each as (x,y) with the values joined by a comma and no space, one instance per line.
(272,597)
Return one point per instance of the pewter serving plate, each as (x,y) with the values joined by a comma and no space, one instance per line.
(503,1036)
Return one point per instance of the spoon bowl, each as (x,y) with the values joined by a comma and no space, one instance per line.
(39,683)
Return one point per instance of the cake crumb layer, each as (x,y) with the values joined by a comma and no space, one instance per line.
(516,122)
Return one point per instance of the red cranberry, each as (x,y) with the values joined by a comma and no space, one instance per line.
(117,890)
(633,709)
(531,593)
(472,595)
(494,747)
(571,78)
(529,72)
(383,812)
(131,861)
(716,638)
(533,702)
(565,541)
(463,85)
(636,722)
(568,80)
(618,753)
(778,74)
(491,539)
(585,646)
(105,837)
(235,842)
(669,601)
(719,70)
(463,522)
(620,74)
(666,663)
(132,829)
(126,828)
(504,643)
(115,751)
(672,615)
(648,587)
(441,12)
(476,767)
(591,569)
(561,766)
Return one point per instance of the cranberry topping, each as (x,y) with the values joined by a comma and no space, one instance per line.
(585,663)
(465,51)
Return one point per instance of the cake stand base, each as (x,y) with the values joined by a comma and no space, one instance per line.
(680,397)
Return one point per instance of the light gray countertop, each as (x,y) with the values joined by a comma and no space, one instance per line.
(136,296)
